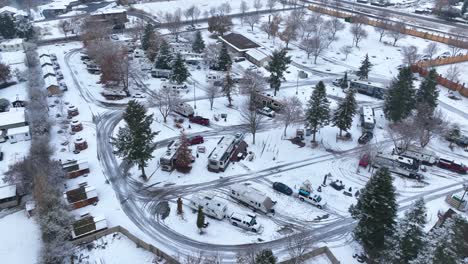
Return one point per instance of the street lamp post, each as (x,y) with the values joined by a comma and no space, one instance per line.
(194,98)
(465,186)
(297,82)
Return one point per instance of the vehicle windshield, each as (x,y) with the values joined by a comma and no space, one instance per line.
(318,198)
(253,221)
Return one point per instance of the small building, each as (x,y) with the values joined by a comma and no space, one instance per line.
(72,110)
(52,86)
(80,144)
(10,45)
(82,196)
(76,125)
(116,17)
(238,43)
(75,168)
(8,196)
(45,60)
(48,70)
(258,57)
(18,134)
(15,117)
(87,224)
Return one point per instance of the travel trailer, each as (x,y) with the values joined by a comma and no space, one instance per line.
(220,157)
(252,197)
(212,206)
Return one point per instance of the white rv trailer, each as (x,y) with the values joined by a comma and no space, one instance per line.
(211,205)
(423,155)
(167,161)
(367,117)
(404,166)
(264,99)
(184,109)
(252,197)
(220,157)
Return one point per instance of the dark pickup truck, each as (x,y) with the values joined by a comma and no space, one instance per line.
(453,166)
(199,120)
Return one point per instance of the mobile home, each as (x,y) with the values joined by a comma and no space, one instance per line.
(167,161)
(81,196)
(422,155)
(252,197)
(74,168)
(87,224)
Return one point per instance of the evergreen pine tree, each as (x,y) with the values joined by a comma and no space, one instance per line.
(134,142)
(363,72)
(343,115)
(7,27)
(224,59)
(427,93)
(145,40)
(24,29)
(180,72)
(453,134)
(265,257)
(200,219)
(464,7)
(228,86)
(344,82)
(183,161)
(375,211)
(409,237)
(400,98)
(179,206)
(164,58)
(198,44)
(277,66)
(318,111)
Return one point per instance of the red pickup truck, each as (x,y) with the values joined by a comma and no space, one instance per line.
(452,165)
(199,120)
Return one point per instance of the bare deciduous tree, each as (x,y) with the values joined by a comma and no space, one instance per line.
(257,5)
(174,21)
(243,8)
(251,83)
(212,92)
(431,49)
(297,246)
(271,4)
(64,26)
(291,112)
(346,50)
(315,46)
(335,26)
(251,118)
(166,100)
(397,32)
(403,134)
(429,124)
(457,41)
(410,55)
(290,31)
(224,8)
(384,24)
(252,20)
(453,73)
(358,32)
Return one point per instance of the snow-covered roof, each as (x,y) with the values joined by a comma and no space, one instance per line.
(14,11)
(239,42)
(14,41)
(18,130)
(7,191)
(257,54)
(45,60)
(50,81)
(109,11)
(56,5)
(48,70)
(223,146)
(368,114)
(14,116)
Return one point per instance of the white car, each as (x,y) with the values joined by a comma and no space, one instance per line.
(266,111)
(314,200)
(247,222)
(138,95)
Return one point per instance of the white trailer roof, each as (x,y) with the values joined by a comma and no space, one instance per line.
(7,191)
(18,130)
(222,147)
(14,116)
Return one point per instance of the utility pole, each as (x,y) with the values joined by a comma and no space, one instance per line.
(194,99)
(297,82)
(465,187)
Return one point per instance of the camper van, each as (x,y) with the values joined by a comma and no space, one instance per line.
(367,118)
(184,109)
(251,197)
(211,205)
(214,77)
(424,156)
(219,158)
(167,161)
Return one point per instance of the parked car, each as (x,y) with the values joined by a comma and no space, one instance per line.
(282,188)
(315,200)
(337,82)
(365,137)
(266,111)
(452,166)
(337,185)
(364,161)
(247,222)
(1,156)
(138,95)
(239,59)
(195,140)
(199,120)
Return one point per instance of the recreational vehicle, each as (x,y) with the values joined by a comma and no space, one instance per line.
(264,99)
(404,166)
(184,109)
(252,197)
(161,73)
(367,118)
(424,156)
(211,205)
(174,86)
(219,158)
(167,161)
(376,90)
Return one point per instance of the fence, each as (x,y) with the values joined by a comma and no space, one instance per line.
(454,86)
(458,41)
(316,252)
(125,232)
(444,61)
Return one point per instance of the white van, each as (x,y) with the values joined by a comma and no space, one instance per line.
(212,206)
(175,87)
(247,222)
(184,109)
